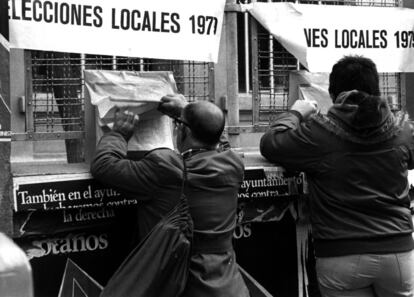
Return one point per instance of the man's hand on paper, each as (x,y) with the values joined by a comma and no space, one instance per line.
(172,105)
(305,107)
(125,123)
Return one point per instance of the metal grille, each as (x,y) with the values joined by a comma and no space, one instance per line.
(55,104)
(56,93)
(274,64)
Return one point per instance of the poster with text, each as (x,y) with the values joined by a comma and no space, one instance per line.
(161,29)
(319,35)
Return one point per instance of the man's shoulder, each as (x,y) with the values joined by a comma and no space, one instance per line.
(231,158)
(162,153)
(325,124)
(166,164)
(235,155)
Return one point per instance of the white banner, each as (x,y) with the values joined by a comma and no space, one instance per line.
(163,29)
(4,43)
(319,35)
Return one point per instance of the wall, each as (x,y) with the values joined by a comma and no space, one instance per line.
(408,79)
(5,175)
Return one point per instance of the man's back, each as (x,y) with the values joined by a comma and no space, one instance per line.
(360,195)
(213,180)
(357,178)
(356,158)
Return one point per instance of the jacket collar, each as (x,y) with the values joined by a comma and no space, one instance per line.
(359,118)
(191,152)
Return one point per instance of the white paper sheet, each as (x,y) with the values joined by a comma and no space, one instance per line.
(139,92)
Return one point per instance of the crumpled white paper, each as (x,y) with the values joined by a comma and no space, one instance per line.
(139,92)
(304,85)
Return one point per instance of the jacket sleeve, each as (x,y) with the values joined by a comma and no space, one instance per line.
(290,143)
(410,125)
(111,167)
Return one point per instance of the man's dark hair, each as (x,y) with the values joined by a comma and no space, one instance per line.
(354,73)
(206,121)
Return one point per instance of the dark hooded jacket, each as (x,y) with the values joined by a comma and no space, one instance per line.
(356,159)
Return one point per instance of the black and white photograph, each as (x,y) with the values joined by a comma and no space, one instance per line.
(206,148)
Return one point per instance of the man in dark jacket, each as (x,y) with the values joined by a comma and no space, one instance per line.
(213,180)
(356,159)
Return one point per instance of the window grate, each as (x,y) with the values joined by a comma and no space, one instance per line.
(274,64)
(55,92)
(57,84)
